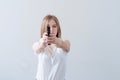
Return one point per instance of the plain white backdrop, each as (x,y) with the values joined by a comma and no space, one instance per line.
(92,26)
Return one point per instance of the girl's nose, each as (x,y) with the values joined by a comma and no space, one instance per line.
(51,30)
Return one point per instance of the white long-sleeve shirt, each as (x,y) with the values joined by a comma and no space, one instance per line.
(51,64)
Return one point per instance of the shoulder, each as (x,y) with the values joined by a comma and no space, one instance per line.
(66,45)
(36,43)
(67,42)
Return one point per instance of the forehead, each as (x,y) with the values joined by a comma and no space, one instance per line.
(52,22)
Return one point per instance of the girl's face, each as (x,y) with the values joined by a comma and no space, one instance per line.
(53,26)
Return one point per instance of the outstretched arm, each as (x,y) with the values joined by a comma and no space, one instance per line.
(38,46)
(65,45)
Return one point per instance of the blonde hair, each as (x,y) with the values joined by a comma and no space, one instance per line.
(45,21)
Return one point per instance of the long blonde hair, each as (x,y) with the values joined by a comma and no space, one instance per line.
(45,21)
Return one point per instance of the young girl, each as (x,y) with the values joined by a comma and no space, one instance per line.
(51,51)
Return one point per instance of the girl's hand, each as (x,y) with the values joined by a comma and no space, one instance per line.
(51,39)
(45,38)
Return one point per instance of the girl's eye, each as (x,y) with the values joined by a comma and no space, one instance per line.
(54,26)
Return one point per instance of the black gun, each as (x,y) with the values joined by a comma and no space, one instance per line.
(48,31)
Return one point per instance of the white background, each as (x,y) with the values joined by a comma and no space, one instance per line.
(92,26)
